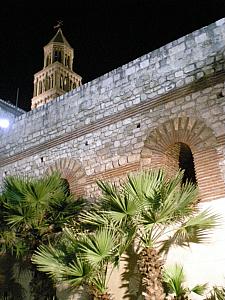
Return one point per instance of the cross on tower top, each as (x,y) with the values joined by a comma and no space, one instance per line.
(59,25)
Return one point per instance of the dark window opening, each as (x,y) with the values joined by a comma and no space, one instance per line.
(138,125)
(57,56)
(186,163)
(42,159)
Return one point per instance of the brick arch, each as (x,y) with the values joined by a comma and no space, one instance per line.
(72,171)
(161,149)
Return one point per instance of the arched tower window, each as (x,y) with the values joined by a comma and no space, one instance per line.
(61,82)
(57,56)
(40,87)
(47,61)
(46,82)
(52,81)
(66,84)
(68,62)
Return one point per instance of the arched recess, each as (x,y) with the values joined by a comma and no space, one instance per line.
(73,172)
(162,148)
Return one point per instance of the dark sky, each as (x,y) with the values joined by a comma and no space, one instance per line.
(104,34)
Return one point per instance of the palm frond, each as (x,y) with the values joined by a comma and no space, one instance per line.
(199,289)
(53,262)
(49,260)
(94,218)
(142,186)
(99,281)
(117,204)
(174,278)
(186,200)
(196,229)
(77,273)
(98,247)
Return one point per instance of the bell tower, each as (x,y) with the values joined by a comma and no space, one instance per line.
(57,76)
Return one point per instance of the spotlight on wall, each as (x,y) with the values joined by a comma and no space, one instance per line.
(4,123)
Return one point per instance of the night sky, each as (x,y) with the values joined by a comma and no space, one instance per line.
(104,34)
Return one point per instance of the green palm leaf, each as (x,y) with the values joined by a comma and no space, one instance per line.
(174,278)
(77,273)
(199,289)
(49,260)
(196,229)
(98,247)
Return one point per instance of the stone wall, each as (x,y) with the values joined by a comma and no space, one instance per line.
(126,119)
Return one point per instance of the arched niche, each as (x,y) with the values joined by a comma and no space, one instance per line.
(73,173)
(179,156)
(168,145)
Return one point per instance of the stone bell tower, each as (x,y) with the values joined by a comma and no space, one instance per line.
(57,76)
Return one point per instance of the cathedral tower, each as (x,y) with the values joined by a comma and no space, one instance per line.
(57,76)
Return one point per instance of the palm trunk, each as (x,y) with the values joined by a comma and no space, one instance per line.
(150,267)
(98,295)
(182,297)
(105,296)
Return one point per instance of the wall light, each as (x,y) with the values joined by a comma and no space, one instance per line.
(4,123)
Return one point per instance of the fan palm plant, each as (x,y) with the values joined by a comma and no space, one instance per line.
(33,212)
(82,259)
(155,212)
(217,293)
(174,280)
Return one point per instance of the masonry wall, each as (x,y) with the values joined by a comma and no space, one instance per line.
(133,118)
(103,128)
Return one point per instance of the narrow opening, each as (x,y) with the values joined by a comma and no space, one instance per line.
(86,143)
(138,125)
(42,159)
(186,163)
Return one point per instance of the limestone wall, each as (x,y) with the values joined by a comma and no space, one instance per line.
(104,124)
(132,118)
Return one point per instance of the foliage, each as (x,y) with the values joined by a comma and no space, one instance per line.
(150,212)
(217,293)
(81,259)
(174,281)
(153,210)
(156,210)
(33,211)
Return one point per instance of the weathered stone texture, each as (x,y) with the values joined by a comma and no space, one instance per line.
(104,124)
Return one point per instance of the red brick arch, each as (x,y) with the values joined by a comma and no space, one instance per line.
(161,149)
(72,171)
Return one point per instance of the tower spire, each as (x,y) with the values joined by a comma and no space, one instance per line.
(57,76)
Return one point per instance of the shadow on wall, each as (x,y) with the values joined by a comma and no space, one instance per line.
(68,294)
(130,277)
